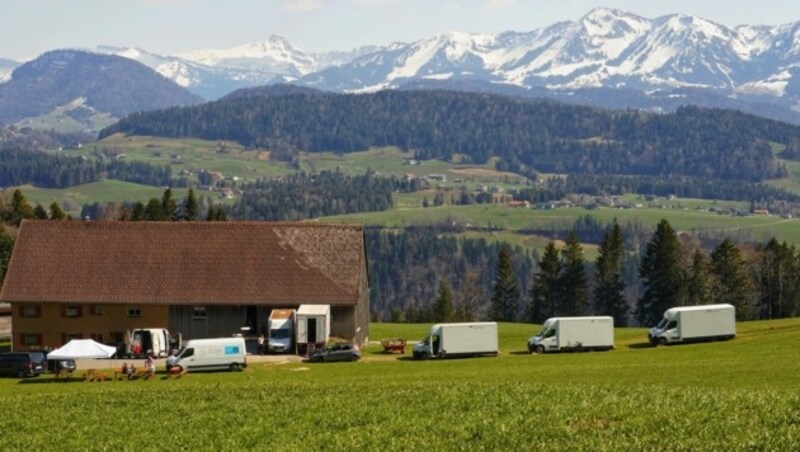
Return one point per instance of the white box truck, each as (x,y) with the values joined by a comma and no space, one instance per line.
(281,331)
(458,340)
(694,324)
(562,334)
(313,327)
(211,354)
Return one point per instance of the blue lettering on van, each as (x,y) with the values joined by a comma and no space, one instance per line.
(232,350)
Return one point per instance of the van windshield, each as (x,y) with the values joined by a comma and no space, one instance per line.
(541,332)
(662,324)
(279,334)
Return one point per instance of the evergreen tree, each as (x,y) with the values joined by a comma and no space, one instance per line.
(6,247)
(609,296)
(138,211)
(573,289)
(190,206)
(543,301)
(154,210)
(216,213)
(169,207)
(662,275)
(779,281)
(443,304)
(397,316)
(56,213)
(20,208)
(506,290)
(699,284)
(39,212)
(732,285)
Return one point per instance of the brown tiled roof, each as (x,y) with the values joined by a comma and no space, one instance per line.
(185,263)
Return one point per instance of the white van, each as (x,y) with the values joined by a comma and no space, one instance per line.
(211,354)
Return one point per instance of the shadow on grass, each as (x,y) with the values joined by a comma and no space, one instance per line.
(520,352)
(641,345)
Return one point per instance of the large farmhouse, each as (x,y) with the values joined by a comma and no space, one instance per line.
(74,279)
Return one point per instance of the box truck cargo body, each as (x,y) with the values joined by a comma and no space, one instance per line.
(694,324)
(458,340)
(561,334)
(281,331)
(313,327)
(211,354)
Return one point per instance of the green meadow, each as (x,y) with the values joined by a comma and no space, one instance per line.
(736,395)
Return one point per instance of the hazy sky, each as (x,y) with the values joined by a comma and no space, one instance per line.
(30,27)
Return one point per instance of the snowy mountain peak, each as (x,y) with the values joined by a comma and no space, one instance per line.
(608,22)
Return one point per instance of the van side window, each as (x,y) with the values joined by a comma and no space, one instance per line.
(551,333)
(187,353)
(673,324)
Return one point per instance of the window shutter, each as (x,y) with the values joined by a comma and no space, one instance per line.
(63,309)
(80,311)
(38,311)
(21,310)
(39,339)
(63,338)
(21,338)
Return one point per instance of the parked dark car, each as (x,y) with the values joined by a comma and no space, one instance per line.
(22,364)
(338,352)
(60,364)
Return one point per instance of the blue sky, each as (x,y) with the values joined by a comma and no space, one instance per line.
(31,27)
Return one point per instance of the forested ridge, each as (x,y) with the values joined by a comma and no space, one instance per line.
(526,135)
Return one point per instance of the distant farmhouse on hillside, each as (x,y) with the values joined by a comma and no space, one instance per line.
(72,279)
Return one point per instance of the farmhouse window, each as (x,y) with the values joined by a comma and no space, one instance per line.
(30,311)
(96,309)
(134,311)
(71,311)
(96,337)
(70,336)
(199,313)
(31,339)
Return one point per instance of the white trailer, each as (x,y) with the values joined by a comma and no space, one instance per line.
(695,324)
(561,334)
(458,340)
(313,327)
(211,354)
(281,331)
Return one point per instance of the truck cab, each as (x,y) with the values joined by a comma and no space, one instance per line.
(545,339)
(428,347)
(666,332)
(281,331)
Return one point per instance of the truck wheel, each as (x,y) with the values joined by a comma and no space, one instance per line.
(235,367)
(540,349)
(662,341)
(20,374)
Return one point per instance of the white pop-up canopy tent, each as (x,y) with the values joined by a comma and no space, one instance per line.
(82,348)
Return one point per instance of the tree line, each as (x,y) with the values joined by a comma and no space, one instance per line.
(525,134)
(302,195)
(555,188)
(762,281)
(47,170)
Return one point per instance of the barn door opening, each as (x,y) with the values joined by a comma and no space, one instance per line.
(251,319)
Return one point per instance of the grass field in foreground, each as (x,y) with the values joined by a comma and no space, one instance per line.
(741,394)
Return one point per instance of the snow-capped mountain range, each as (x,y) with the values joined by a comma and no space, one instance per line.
(605,49)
